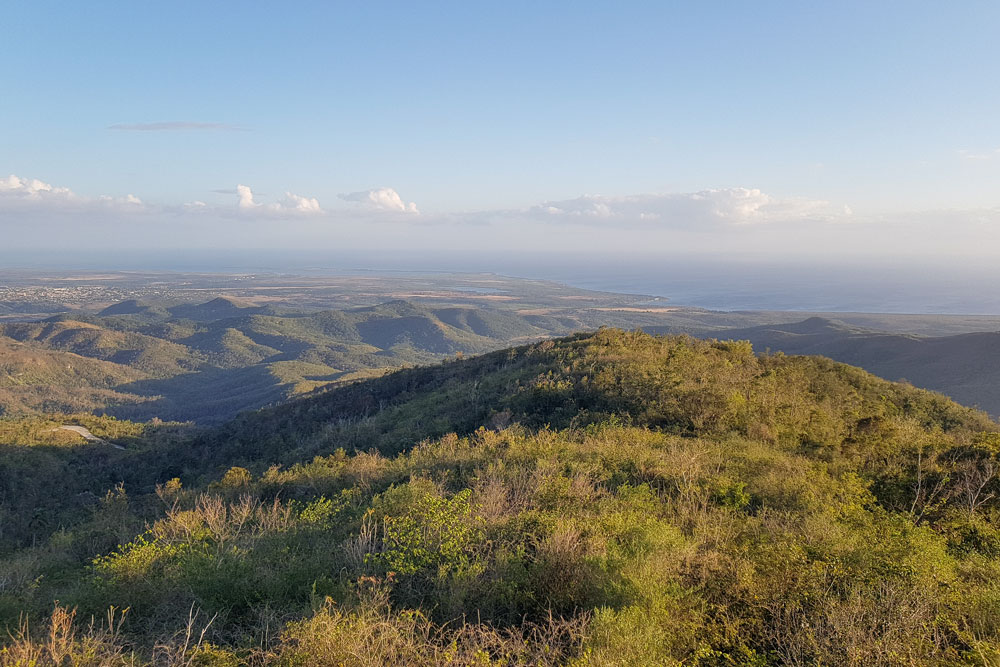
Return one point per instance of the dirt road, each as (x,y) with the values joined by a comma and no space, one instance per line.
(85,432)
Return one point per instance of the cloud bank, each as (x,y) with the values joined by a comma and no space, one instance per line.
(706,210)
(694,210)
(726,221)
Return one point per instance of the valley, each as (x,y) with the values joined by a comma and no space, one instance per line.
(257,340)
(204,347)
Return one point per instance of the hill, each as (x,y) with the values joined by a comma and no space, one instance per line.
(966,367)
(216,309)
(36,380)
(133,307)
(605,499)
(208,361)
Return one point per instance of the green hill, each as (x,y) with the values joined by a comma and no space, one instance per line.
(228,347)
(966,367)
(206,362)
(98,340)
(605,499)
(236,356)
(216,309)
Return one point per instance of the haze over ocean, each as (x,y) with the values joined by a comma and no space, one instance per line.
(704,281)
(867,287)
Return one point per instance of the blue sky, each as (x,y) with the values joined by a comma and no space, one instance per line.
(861,113)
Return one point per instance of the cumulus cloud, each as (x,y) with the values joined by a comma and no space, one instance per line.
(298,203)
(32,193)
(31,188)
(172,125)
(245,195)
(732,220)
(292,203)
(35,197)
(381,199)
(706,210)
(726,207)
(130,200)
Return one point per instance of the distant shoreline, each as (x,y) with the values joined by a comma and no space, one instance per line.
(715,283)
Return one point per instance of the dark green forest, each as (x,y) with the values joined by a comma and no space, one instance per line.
(613,498)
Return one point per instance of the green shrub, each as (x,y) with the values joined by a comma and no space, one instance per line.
(425,532)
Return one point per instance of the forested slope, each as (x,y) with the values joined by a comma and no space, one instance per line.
(207,362)
(965,366)
(605,499)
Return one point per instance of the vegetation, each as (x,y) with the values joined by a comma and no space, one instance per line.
(207,362)
(605,499)
(951,364)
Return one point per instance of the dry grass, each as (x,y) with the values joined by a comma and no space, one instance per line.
(61,643)
(373,635)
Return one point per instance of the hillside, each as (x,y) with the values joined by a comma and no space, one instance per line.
(605,499)
(965,367)
(204,347)
(206,362)
(40,380)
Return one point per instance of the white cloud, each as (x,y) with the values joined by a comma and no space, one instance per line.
(127,200)
(702,211)
(31,193)
(292,203)
(707,208)
(31,188)
(304,204)
(381,199)
(245,195)
(36,197)
(734,220)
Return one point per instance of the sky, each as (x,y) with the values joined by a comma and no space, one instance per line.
(771,129)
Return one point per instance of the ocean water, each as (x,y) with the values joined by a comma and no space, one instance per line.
(822,288)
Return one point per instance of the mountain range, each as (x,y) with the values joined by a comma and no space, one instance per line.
(207,361)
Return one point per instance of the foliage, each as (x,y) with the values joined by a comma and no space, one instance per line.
(207,362)
(600,500)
